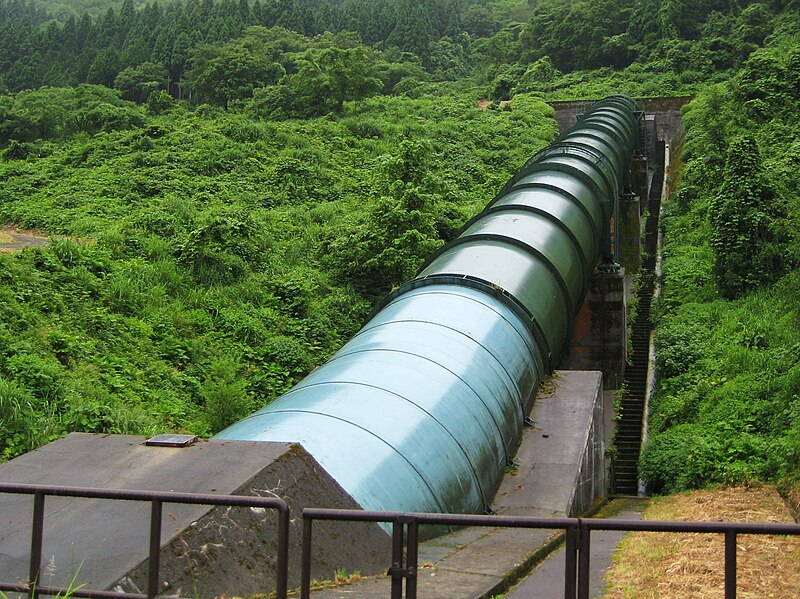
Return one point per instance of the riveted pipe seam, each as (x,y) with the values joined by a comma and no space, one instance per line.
(542,354)
(552,218)
(473,470)
(563,192)
(474,392)
(476,238)
(508,380)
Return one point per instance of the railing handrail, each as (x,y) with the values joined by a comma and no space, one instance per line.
(144,495)
(156,499)
(441,519)
(578,539)
(700,526)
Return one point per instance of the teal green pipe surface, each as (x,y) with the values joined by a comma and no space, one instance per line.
(423,409)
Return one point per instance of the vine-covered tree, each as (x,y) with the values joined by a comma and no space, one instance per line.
(326,79)
(231,72)
(748,245)
(400,230)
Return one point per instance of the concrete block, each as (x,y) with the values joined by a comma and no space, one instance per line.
(561,467)
(206,551)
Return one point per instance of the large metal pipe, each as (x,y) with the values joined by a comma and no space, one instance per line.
(423,409)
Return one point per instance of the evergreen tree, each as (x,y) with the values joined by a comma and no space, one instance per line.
(415,28)
(105,67)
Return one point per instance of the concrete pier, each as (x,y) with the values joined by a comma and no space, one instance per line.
(599,338)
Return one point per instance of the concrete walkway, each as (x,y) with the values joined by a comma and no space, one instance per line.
(547,580)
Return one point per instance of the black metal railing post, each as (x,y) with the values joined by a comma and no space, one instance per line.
(282,576)
(412,559)
(584,559)
(571,562)
(305,572)
(396,571)
(578,540)
(35,589)
(154,556)
(730,564)
(37,532)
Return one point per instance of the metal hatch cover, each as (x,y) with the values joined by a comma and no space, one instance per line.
(170,440)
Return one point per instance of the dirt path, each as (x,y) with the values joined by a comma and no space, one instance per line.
(12,240)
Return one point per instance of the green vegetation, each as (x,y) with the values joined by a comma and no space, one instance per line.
(574,49)
(203,261)
(727,409)
(230,185)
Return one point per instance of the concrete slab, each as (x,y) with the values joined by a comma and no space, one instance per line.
(206,551)
(555,453)
(547,580)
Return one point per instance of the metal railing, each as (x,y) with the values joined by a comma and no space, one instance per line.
(405,538)
(577,540)
(405,527)
(156,499)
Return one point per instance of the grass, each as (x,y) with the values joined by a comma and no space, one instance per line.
(66,593)
(691,565)
(5,238)
(341,577)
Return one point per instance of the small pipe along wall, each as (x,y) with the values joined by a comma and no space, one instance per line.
(423,409)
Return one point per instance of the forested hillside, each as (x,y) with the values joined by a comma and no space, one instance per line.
(229,186)
(509,46)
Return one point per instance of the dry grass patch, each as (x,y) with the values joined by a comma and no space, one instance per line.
(692,565)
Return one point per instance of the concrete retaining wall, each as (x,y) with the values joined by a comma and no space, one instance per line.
(667,112)
(590,483)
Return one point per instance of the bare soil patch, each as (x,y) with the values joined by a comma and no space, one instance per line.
(484,104)
(692,565)
(15,240)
